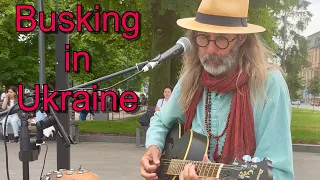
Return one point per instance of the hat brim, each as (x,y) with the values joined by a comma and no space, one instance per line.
(191,24)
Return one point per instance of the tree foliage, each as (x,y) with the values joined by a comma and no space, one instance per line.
(293,18)
(17,57)
(314,86)
(110,52)
(294,85)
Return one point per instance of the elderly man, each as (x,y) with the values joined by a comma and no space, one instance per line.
(228,92)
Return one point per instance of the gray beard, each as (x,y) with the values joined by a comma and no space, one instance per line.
(227,62)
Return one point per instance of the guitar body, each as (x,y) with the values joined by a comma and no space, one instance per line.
(72,174)
(196,145)
(182,148)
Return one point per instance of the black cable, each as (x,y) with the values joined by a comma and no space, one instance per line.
(5,143)
(44,160)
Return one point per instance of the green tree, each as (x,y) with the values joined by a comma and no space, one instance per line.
(314,86)
(18,56)
(294,84)
(19,51)
(165,33)
(109,51)
(293,18)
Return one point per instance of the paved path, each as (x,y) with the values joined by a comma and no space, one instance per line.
(116,161)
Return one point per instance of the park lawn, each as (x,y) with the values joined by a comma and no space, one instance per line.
(116,127)
(305,126)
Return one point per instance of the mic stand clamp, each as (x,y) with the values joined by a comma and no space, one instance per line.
(52,120)
(29,151)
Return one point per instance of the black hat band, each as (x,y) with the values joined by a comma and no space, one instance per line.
(221,20)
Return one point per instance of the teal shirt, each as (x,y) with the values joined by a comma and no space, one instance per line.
(271,123)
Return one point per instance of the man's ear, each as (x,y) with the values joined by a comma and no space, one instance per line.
(242,38)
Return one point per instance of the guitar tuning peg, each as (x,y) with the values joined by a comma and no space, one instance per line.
(266,159)
(255,160)
(246,158)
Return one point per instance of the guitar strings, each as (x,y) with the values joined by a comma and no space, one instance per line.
(194,162)
(210,165)
(213,173)
(177,166)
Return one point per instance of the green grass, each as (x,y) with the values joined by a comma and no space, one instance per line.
(118,127)
(305,126)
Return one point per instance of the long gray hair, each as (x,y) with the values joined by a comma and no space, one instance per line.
(253,59)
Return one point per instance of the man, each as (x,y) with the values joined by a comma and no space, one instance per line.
(228,92)
(84,113)
(40,117)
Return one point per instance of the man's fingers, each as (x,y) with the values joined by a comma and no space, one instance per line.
(206,158)
(192,173)
(145,162)
(186,170)
(148,176)
(181,176)
(156,157)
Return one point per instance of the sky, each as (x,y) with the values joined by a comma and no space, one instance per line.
(314,25)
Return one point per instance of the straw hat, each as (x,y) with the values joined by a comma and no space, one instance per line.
(221,16)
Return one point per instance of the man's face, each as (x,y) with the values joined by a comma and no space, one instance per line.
(219,56)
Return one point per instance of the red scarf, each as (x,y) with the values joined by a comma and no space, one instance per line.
(240,138)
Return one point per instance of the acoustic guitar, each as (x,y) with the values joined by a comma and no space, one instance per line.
(190,147)
(72,174)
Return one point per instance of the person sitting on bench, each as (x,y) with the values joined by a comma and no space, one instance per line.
(9,101)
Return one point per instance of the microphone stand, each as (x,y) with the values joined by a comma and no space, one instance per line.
(137,67)
(29,150)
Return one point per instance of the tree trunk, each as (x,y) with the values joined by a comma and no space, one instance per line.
(313,102)
(165,35)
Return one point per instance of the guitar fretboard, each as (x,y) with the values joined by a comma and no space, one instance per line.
(203,169)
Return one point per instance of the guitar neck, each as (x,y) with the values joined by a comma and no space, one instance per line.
(203,169)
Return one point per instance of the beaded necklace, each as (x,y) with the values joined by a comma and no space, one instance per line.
(208,126)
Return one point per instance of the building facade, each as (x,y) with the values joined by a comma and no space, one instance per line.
(314,61)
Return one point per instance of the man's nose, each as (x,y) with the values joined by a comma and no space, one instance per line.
(212,48)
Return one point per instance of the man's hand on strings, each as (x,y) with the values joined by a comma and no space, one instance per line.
(189,172)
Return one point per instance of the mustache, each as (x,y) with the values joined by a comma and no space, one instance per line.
(209,56)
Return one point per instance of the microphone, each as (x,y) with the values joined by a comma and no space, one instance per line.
(183,45)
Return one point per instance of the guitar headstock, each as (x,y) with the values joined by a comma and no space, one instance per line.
(248,169)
